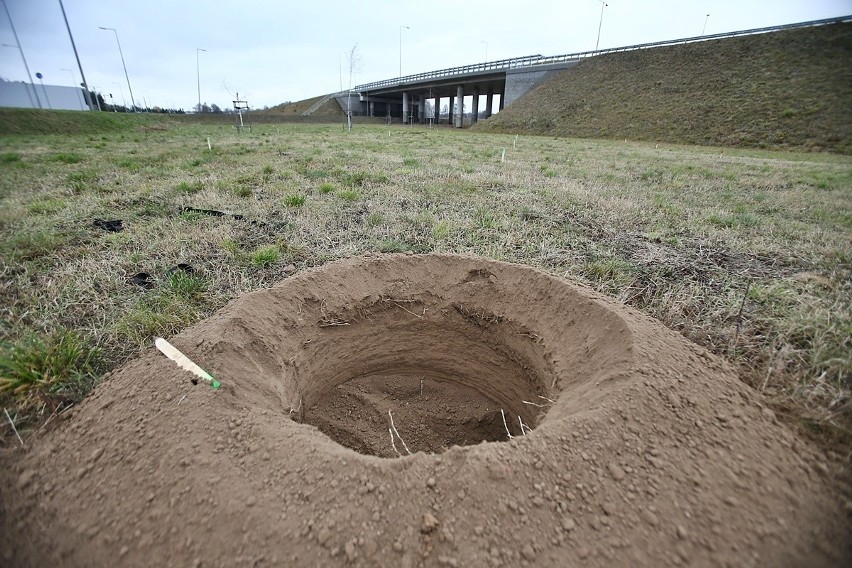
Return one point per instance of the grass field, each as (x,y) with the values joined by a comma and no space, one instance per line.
(745,252)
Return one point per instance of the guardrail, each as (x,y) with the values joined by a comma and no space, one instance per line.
(531,60)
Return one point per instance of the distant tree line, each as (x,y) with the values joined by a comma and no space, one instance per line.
(212,109)
(100,103)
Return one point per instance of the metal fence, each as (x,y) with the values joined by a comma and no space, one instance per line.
(532,60)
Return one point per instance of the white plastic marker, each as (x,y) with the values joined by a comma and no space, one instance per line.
(185,362)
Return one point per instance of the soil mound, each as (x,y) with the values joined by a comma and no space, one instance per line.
(629,445)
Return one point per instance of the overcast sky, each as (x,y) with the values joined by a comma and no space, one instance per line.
(274,51)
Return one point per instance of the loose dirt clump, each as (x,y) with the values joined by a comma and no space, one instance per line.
(629,445)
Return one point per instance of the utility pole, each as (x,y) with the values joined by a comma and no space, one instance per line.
(198,74)
(400,51)
(21,50)
(126,76)
(80,67)
(600,24)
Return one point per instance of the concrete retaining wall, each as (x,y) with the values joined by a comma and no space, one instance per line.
(21,95)
(520,81)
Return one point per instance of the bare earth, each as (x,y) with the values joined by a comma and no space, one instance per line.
(652,452)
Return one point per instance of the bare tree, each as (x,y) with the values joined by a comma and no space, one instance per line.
(354,67)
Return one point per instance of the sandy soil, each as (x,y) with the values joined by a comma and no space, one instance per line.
(652,453)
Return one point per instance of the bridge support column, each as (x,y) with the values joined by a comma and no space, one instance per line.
(489,102)
(451,111)
(475,109)
(372,108)
(405,108)
(502,98)
(421,110)
(437,110)
(459,123)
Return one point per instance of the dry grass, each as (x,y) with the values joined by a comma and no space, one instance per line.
(678,232)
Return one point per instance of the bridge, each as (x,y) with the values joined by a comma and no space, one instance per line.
(498,82)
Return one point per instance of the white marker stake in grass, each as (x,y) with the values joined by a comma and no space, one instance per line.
(209,146)
(503,157)
(184,362)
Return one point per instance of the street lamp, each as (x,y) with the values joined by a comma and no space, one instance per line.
(400,51)
(21,50)
(44,90)
(486,48)
(74,84)
(198,74)
(600,24)
(126,76)
(120,90)
(707,17)
(84,84)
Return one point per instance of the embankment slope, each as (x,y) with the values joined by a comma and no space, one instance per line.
(789,90)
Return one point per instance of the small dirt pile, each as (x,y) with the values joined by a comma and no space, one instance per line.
(629,445)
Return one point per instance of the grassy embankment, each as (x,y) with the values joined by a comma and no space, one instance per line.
(784,90)
(678,232)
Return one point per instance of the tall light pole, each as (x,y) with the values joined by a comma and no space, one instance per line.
(126,76)
(120,90)
(198,74)
(21,50)
(41,80)
(600,24)
(74,84)
(486,48)
(400,51)
(707,17)
(77,57)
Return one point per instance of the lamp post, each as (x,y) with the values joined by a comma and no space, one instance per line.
(74,84)
(120,90)
(84,84)
(126,76)
(707,17)
(44,90)
(486,48)
(600,24)
(198,74)
(400,51)
(21,50)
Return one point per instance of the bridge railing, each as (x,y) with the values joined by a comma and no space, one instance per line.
(532,60)
(499,65)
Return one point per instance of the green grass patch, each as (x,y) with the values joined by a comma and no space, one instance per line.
(46,206)
(266,256)
(57,367)
(189,187)
(294,200)
(348,195)
(67,158)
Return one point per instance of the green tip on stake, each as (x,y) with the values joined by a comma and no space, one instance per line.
(184,362)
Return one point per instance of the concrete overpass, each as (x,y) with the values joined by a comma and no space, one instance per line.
(480,87)
(404,98)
